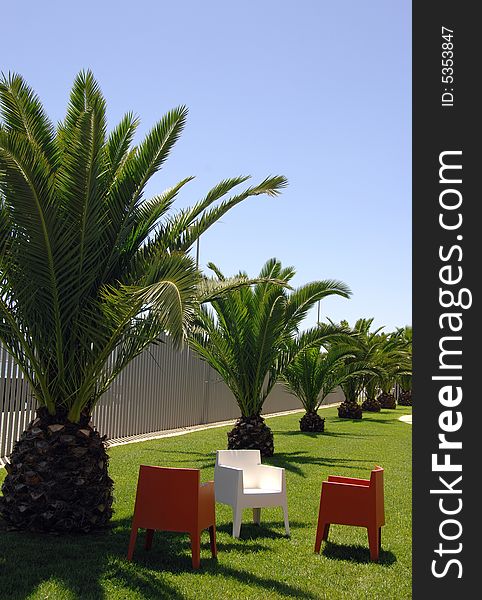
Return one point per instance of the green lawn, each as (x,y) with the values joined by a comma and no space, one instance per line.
(263,564)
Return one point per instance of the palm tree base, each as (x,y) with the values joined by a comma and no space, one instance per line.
(312,422)
(57,479)
(387,400)
(251,433)
(371,405)
(405,398)
(350,410)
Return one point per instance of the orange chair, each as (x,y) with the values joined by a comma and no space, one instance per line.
(174,500)
(350,501)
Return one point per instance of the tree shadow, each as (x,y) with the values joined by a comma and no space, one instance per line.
(242,547)
(176,546)
(78,564)
(380,421)
(201,460)
(318,435)
(197,463)
(359,435)
(291,461)
(266,530)
(101,557)
(170,552)
(355,553)
(215,567)
(282,589)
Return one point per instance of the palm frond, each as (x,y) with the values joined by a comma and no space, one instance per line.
(186,227)
(248,336)
(23,113)
(91,272)
(119,143)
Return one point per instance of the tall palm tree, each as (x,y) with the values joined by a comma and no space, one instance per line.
(314,374)
(251,335)
(90,270)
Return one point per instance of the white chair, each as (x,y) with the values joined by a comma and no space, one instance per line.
(241,481)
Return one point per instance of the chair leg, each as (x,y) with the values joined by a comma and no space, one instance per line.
(321,534)
(149,536)
(196,549)
(132,542)
(256,516)
(374,541)
(237,515)
(285,516)
(212,541)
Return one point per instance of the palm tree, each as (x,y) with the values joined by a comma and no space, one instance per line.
(405,397)
(314,374)
(251,335)
(378,387)
(404,379)
(396,363)
(91,273)
(366,355)
(384,358)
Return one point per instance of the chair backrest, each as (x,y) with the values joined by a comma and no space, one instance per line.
(238,458)
(376,484)
(167,498)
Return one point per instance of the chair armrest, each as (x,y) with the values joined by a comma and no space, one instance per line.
(353,480)
(206,503)
(270,477)
(228,483)
(347,491)
(207,489)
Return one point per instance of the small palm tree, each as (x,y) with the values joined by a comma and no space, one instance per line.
(91,273)
(384,357)
(250,337)
(404,378)
(367,356)
(396,362)
(314,374)
(405,383)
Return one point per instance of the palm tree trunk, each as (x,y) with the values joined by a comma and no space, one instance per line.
(312,422)
(405,398)
(350,409)
(57,479)
(251,433)
(387,400)
(371,405)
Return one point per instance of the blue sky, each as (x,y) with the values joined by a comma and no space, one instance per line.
(318,91)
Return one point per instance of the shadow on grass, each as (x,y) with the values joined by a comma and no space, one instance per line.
(85,566)
(172,551)
(199,460)
(266,530)
(77,564)
(380,421)
(291,461)
(317,435)
(352,553)
(270,585)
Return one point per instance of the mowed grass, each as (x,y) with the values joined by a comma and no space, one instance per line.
(264,564)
